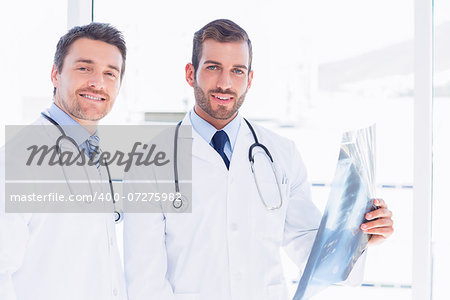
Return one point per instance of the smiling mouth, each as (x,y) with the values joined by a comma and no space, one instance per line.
(222,98)
(92,97)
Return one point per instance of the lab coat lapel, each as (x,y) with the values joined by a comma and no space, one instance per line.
(201,149)
(239,159)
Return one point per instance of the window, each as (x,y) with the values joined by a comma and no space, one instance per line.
(441,148)
(29,43)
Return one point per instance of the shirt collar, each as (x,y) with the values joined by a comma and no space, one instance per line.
(71,127)
(206,130)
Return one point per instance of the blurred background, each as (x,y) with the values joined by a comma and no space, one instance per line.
(320,68)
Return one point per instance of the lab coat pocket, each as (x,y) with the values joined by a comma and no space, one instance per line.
(187,296)
(269,224)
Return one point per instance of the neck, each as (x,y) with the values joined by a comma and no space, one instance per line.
(90,126)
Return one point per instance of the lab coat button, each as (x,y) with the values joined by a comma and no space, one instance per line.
(234,227)
(115,292)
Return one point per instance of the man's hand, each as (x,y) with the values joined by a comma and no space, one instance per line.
(380,224)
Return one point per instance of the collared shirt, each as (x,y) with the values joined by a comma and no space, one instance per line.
(207,131)
(71,127)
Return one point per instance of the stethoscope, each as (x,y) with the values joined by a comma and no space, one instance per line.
(63,136)
(181,200)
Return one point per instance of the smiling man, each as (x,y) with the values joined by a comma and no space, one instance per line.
(54,256)
(229,246)
(220,86)
(87,75)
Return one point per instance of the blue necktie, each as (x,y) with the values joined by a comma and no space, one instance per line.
(94,149)
(218,140)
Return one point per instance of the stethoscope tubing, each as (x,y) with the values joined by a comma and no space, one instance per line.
(177,203)
(117,214)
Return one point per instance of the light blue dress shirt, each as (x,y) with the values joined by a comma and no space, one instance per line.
(207,131)
(71,127)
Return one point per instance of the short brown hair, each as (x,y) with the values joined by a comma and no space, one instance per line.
(221,30)
(95,31)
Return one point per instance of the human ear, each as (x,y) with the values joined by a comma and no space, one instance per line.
(190,74)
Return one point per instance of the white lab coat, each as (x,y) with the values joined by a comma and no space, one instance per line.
(229,246)
(55,256)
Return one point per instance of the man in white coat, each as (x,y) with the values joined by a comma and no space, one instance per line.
(71,256)
(229,246)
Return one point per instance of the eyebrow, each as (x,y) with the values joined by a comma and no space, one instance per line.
(90,61)
(240,66)
(218,63)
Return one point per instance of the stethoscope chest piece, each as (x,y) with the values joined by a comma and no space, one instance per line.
(181,203)
(118,217)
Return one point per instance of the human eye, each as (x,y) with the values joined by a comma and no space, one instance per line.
(82,68)
(213,67)
(238,71)
(111,74)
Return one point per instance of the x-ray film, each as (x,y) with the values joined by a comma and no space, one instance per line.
(340,242)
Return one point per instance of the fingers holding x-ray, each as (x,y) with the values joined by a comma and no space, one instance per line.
(380,225)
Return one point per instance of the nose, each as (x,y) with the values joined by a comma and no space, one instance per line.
(96,81)
(224,81)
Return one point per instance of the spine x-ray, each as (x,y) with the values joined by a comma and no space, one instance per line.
(340,241)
